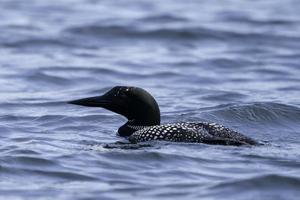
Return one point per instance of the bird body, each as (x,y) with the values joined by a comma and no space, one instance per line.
(191,132)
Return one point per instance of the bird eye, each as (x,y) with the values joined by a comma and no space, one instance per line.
(126,91)
(122,92)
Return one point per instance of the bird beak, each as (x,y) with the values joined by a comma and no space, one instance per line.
(98,101)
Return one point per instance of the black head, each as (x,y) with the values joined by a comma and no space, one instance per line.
(136,104)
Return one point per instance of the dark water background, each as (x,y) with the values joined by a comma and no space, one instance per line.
(233,62)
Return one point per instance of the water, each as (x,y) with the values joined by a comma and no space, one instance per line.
(232,62)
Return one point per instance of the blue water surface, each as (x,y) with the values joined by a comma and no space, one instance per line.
(233,62)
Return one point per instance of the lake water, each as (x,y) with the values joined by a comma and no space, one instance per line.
(233,62)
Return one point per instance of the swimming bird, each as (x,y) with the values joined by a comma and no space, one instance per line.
(143,114)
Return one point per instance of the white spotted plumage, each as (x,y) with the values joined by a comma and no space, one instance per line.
(189,132)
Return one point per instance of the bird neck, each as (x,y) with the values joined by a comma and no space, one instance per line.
(134,125)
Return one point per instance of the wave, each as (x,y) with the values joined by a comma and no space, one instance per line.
(229,17)
(41,77)
(266,112)
(166,18)
(176,33)
(271,184)
(39,42)
(93,71)
(130,32)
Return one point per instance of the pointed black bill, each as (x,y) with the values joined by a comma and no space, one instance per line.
(98,101)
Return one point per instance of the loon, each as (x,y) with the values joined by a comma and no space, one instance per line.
(143,114)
